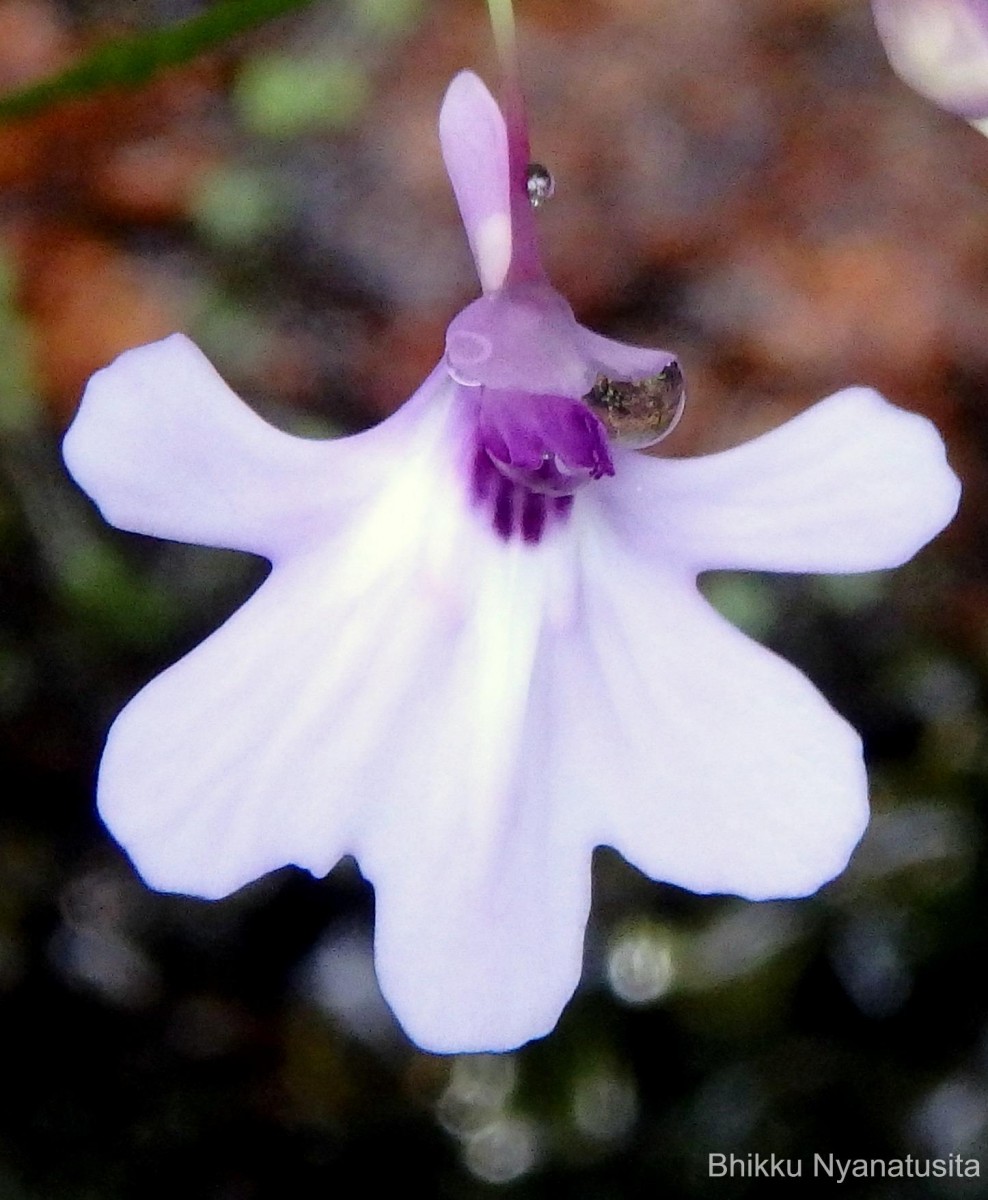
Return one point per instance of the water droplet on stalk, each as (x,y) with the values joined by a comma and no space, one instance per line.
(539,183)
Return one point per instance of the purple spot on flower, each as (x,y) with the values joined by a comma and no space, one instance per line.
(532,453)
(511,508)
(484,476)
(552,445)
(504,509)
(534,512)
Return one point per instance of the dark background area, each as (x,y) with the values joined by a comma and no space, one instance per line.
(744,182)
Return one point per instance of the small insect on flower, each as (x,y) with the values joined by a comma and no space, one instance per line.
(480,651)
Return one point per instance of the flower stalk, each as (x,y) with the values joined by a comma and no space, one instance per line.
(502,17)
(525,265)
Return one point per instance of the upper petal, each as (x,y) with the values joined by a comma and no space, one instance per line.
(705,759)
(852,484)
(165,448)
(474,142)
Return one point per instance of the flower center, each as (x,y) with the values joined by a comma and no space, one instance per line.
(530,453)
(547,403)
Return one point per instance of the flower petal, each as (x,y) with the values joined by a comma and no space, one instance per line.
(482,887)
(371,698)
(939,47)
(479,942)
(220,770)
(475,149)
(852,484)
(252,751)
(164,447)
(619,360)
(703,758)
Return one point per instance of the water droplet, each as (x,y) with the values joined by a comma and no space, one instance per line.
(539,183)
(640,412)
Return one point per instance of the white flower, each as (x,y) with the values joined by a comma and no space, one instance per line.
(480,651)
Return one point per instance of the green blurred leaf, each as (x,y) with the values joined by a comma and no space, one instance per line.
(849,594)
(18,402)
(279,96)
(236,207)
(133,60)
(745,600)
(100,586)
(387,17)
(231,333)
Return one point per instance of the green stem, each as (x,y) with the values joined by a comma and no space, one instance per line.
(503,24)
(132,61)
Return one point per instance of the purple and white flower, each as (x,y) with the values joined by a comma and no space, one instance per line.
(480,651)
(940,48)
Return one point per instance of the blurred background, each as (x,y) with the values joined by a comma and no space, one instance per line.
(744,182)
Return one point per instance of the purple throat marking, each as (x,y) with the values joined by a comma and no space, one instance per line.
(531,454)
(514,510)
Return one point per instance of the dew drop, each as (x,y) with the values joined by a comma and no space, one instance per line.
(539,184)
(639,413)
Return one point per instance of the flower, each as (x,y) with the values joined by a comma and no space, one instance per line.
(480,651)
(939,47)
